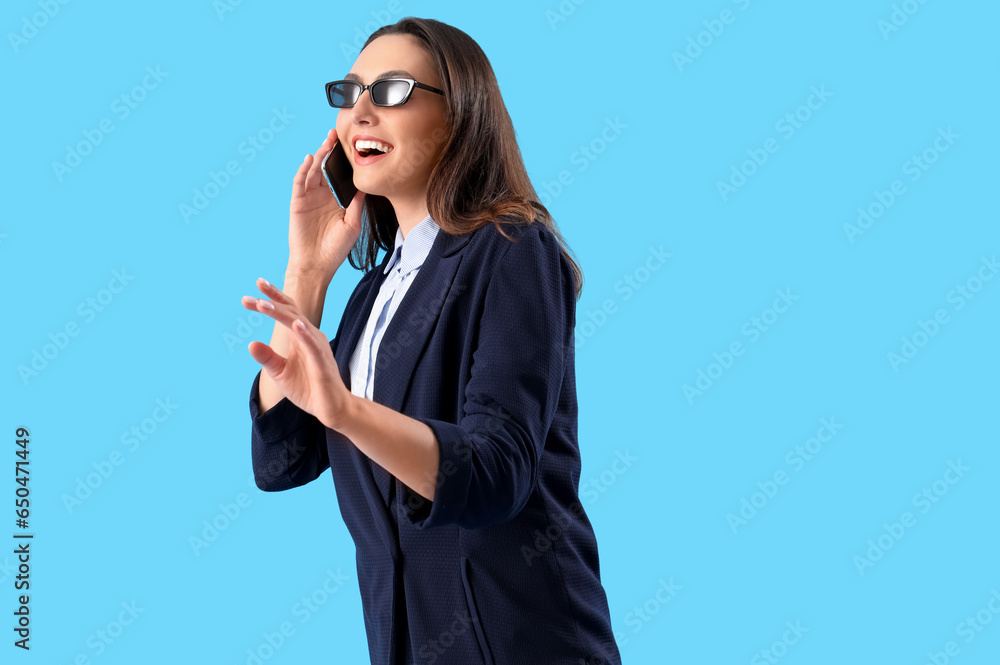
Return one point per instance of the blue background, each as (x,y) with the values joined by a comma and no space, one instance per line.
(661,134)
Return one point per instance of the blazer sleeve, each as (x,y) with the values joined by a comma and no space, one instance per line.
(288,445)
(489,460)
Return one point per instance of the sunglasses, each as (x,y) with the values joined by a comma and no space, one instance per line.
(384,92)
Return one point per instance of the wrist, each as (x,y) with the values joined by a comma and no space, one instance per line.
(306,273)
(344,413)
(308,289)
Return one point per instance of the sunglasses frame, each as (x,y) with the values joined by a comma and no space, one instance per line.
(413,84)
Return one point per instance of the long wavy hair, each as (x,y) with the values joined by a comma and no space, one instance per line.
(479,177)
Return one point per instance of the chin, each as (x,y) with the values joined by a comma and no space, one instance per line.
(373,186)
(379,185)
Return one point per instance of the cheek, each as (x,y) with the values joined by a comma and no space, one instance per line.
(433,137)
(341,126)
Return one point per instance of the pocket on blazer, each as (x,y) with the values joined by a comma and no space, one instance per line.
(477,624)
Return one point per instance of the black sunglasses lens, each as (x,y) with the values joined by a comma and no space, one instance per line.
(389,93)
(344,94)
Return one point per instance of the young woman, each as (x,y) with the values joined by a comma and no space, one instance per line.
(445,405)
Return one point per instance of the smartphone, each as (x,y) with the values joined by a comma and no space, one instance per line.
(339,175)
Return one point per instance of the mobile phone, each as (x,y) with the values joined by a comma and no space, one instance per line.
(339,175)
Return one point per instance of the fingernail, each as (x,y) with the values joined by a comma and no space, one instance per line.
(266,283)
(266,304)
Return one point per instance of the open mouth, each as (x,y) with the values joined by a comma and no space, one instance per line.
(372,148)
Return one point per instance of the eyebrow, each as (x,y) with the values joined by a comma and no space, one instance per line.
(392,73)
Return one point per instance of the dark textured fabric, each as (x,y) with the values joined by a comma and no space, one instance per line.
(502,567)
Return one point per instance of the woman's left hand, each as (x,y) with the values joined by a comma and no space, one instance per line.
(309,376)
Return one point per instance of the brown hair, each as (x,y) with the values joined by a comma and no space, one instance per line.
(480,175)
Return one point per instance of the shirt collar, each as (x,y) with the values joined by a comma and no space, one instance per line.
(410,253)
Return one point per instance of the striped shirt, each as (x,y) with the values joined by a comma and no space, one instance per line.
(408,255)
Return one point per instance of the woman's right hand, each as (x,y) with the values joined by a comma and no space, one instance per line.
(321,234)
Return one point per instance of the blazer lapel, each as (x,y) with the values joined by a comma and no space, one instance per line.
(408,331)
(412,323)
(414,320)
(355,328)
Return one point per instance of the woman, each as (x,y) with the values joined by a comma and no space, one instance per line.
(445,406)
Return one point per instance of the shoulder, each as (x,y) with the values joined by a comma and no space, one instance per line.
(513,242)
(525,260)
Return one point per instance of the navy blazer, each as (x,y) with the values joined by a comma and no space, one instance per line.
(502,566)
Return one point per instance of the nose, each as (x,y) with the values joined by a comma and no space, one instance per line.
(363,111)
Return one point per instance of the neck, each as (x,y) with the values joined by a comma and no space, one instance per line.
(409,212)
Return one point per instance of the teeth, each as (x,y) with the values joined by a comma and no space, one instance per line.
(368,145)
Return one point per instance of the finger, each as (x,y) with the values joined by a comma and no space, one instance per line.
(283,313)
(280,312)
(312,337)
(271,361)
(353,216)
(274,292)
(324,147)
(332,138)
(249,302)
(264,306)
(324,150)
(314,176)
(299,182)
